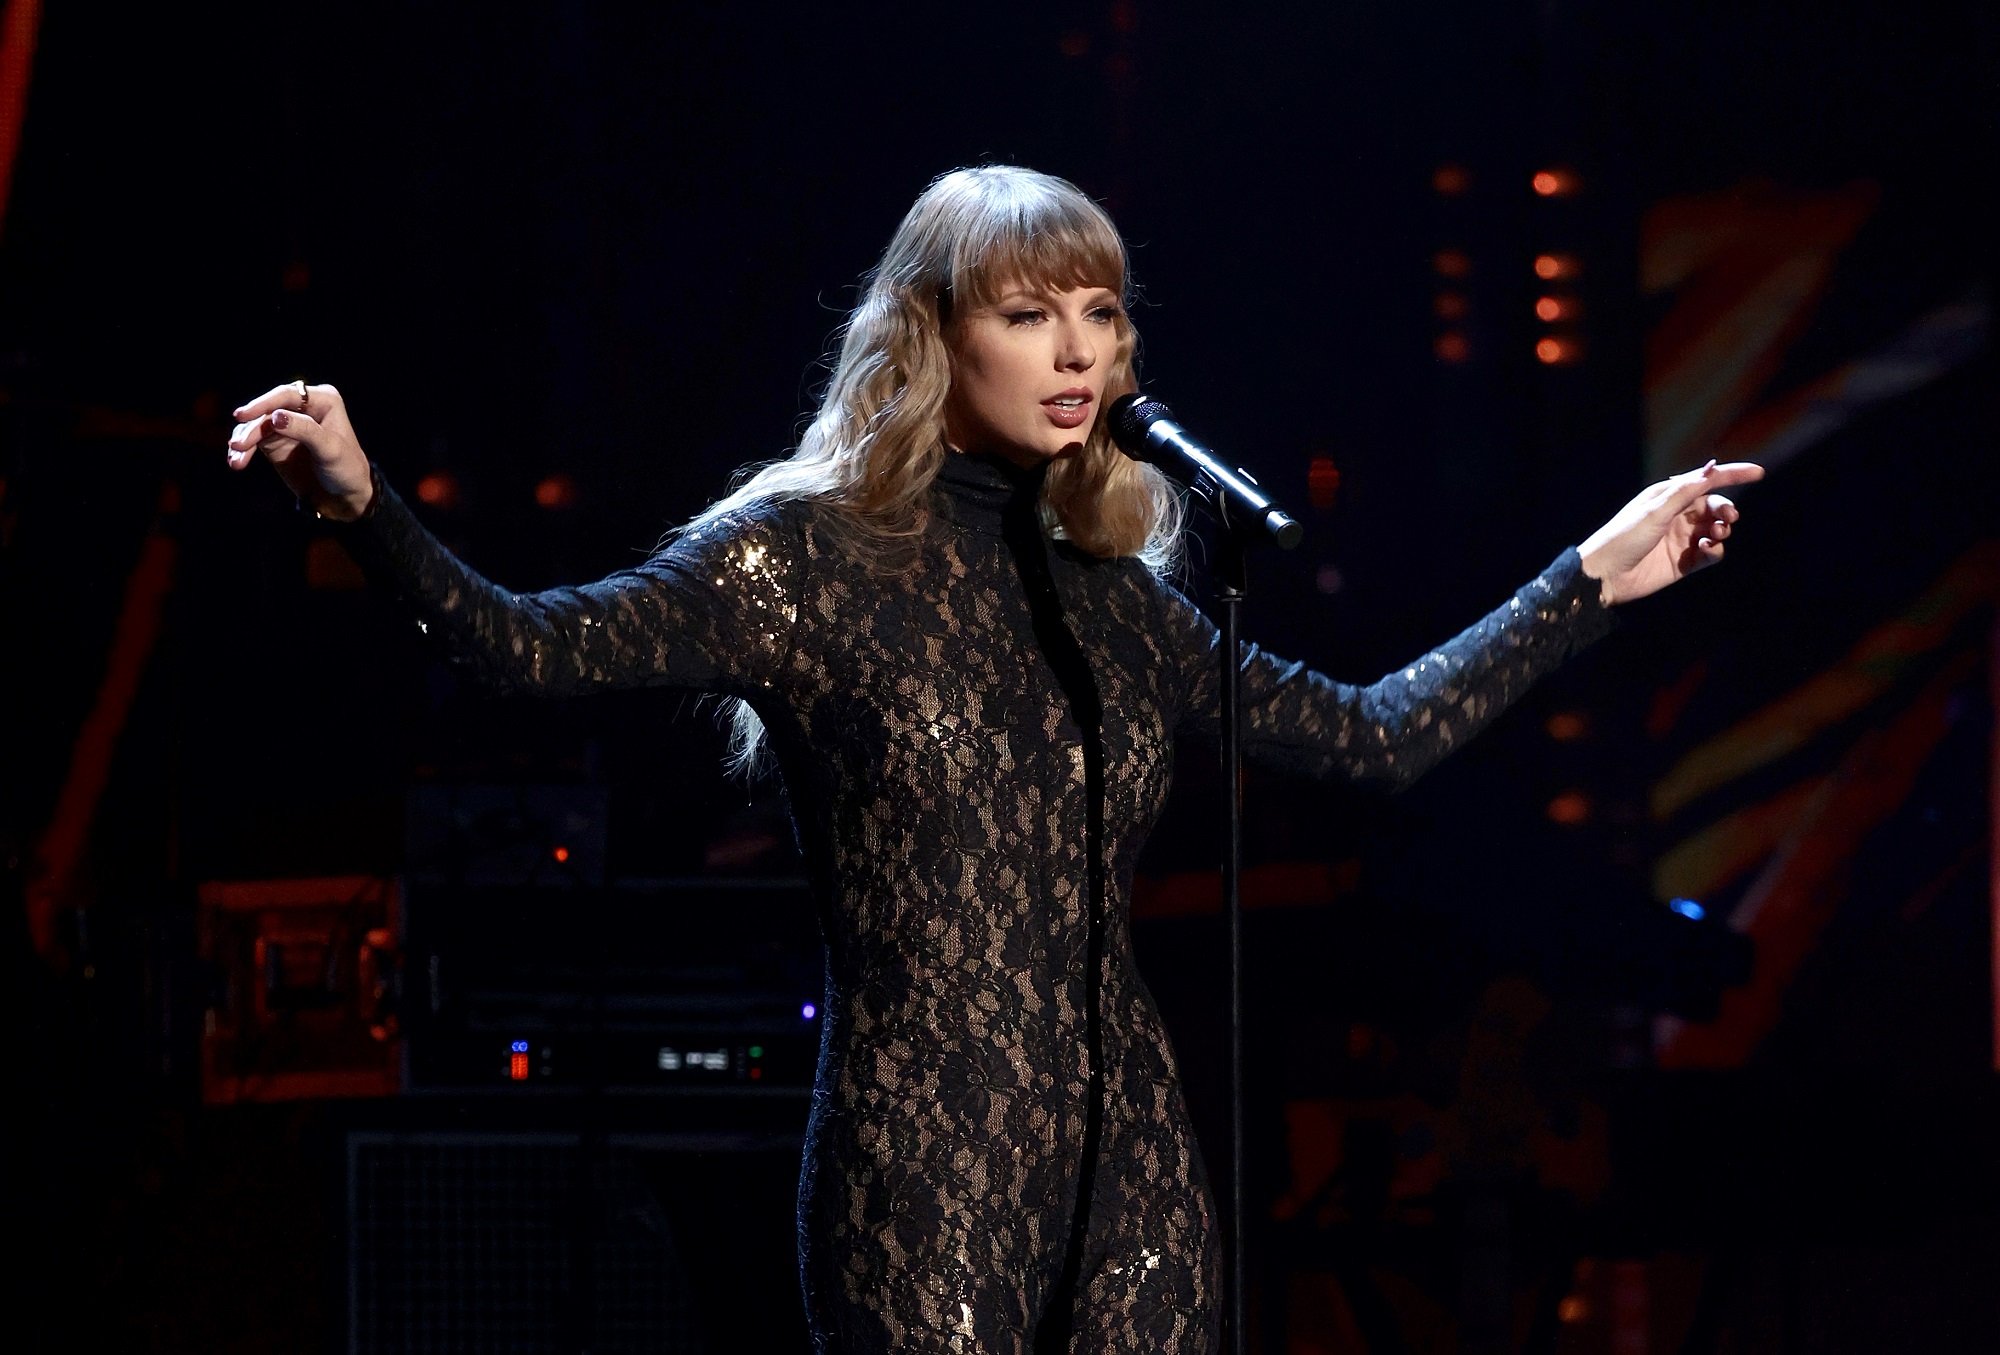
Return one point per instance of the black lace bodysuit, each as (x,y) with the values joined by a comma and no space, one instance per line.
(998,1158)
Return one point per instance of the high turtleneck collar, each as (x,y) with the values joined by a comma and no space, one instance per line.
(979,490)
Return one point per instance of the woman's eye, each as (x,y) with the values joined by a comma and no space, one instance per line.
(1105,314)
(1023,317)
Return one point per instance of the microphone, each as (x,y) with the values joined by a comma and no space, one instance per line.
(1144,430)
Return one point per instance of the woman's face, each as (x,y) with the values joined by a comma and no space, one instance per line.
(1028,372)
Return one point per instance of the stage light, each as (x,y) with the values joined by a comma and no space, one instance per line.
(557,491)
(1322,482)
(1552,183)
(1568,726)
(1570,808)
(1450,180)
(1548,308)
(1452,263)
(1450,306)
(1551,351)
(808,1011)
(1689,909)
(561,854)
(438,489)
(1549,267)
(1452,347)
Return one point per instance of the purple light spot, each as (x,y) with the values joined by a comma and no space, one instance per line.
(809,1011)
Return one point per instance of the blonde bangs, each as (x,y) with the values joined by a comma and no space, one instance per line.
(1027,234)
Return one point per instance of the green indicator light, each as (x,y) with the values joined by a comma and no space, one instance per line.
(756,1051)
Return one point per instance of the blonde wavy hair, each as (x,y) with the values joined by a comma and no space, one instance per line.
(878,438)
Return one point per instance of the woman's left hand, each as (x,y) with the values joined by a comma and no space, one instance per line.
(1672,529)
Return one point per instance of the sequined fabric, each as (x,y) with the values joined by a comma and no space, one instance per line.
(998,1158)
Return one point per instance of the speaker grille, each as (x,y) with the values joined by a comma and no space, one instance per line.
(519,1244)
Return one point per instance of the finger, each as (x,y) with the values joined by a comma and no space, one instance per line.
(278,397)
(300,430)
(1715,515)
(1734,473)
(277,435)
(1684,491)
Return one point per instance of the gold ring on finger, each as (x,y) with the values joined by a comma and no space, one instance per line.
(305,401)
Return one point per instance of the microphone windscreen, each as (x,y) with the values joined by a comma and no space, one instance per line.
(1130,416)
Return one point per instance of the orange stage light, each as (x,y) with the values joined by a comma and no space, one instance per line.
(1568,726)
(1548,308)
(1452,347)
(1452,263)
(1450,180)
(1570,808)
(1553,183)
(1551,351)
(438,490)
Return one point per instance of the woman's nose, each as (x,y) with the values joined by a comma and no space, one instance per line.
(1078,351)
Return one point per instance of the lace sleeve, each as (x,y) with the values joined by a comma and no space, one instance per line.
(1395,729)
(714,611)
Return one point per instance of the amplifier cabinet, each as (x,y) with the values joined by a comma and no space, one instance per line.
(521,1243)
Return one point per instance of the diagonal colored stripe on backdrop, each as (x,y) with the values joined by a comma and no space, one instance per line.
(17,59)
(1749,283)
(1939,342)
(1876,663)
(1705,863)
(1802,885)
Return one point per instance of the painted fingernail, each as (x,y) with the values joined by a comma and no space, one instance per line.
(280,418)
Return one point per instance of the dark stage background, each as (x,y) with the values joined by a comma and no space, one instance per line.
(1659,1020)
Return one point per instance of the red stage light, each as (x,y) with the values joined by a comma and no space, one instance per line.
(1322,482)
(1450,180)
(1551,351)
(1551,266)
(1570,808)
(1551,183)
(557,491)
(1452,263)
(1548,308)
(438,489)
(1452,347)
(1568,726)
(517,1067)
(562,854)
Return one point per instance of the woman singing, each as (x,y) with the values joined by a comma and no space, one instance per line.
(944,618)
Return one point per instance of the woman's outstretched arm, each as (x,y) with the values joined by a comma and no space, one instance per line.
(712,612)
(1394,729)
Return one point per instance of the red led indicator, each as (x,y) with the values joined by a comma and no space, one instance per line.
(517,1067)
(562,853)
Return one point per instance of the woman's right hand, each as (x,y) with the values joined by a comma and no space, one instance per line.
(303,432)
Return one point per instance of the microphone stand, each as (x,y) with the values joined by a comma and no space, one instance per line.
(1231,586)
(1146,430)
